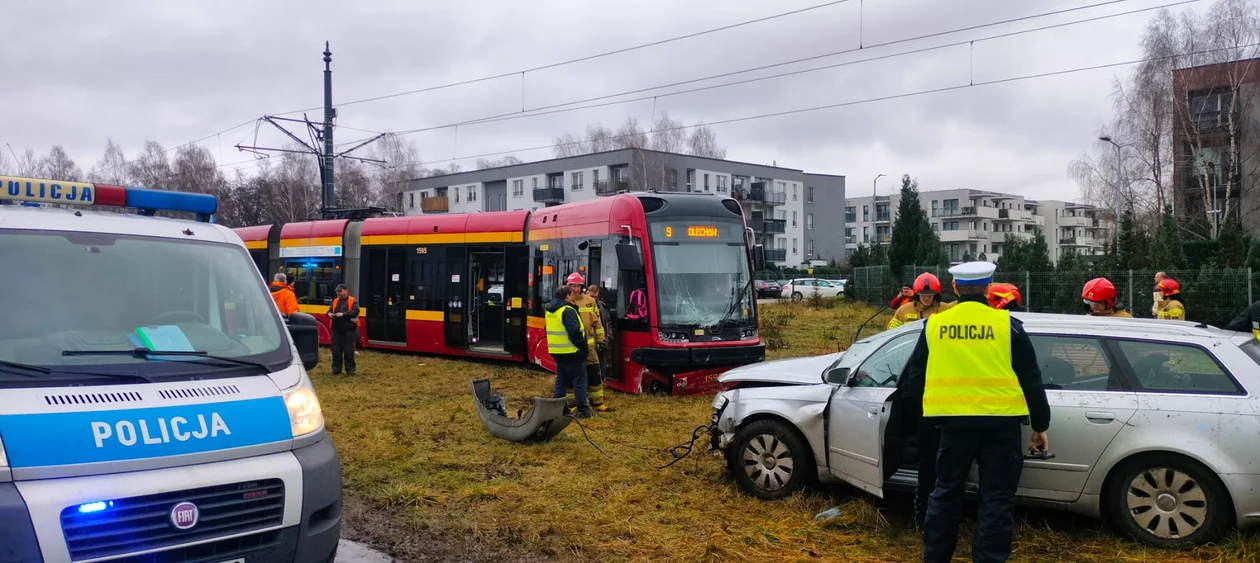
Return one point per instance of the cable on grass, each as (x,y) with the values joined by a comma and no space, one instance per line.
(588,438)
(678,452)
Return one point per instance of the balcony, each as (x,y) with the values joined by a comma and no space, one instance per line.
(1013,215)
(850,239)
(881,239)
(850,217)
(549,195)
(435,204)
(774,226)
(961,235)
(883,217)
(610,187)
(958,212)
(1075,221)
(759,194)
(779,255)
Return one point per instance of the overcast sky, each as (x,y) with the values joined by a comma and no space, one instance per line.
(80,72)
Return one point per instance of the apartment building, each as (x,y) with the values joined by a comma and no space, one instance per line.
(792,213)
(975,223)
(1216,143)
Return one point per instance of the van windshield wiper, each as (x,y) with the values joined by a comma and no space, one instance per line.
(27,370)
(195,356)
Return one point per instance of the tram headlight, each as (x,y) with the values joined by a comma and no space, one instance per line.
(305,414)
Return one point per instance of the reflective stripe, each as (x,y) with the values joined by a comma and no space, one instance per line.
(969,369)
(894,323)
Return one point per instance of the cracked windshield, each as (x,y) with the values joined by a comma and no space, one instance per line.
(702,273)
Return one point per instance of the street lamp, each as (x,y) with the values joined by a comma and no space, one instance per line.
(875,183)
(1119,174)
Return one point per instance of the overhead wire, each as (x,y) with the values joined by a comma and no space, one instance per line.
(867,100)
(553,109)
(584,58)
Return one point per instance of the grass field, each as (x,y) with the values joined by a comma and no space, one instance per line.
(425,481)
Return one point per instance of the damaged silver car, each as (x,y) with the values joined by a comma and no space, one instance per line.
(1155,424)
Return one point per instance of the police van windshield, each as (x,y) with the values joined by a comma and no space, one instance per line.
(69,294)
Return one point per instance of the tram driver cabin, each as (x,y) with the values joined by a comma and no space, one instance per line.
(675,272)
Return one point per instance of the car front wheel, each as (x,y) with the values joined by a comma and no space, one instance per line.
(770,460)
(797,296)
(1168,501)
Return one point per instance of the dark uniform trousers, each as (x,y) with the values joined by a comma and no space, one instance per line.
(997,448)
(343,342)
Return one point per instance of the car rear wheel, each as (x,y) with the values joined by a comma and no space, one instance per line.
(797,296)
(1168,501)
(770,460)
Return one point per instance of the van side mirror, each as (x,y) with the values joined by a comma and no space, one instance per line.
(304,330)
(629,258)
(759,258)
(838,376)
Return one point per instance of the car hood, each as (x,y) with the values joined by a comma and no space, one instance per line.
(795,371)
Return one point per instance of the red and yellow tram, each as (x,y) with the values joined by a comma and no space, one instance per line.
(675,274)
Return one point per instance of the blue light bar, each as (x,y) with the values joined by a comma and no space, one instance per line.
(157,200)
(95,506)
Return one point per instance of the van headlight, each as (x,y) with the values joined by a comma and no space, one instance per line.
(305,415)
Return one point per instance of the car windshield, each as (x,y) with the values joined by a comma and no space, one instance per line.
(852,357)
(75,297)
(702,277)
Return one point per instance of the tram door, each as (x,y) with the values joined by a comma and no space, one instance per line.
(595,263)
(516,298)
(486,314)
(386,298)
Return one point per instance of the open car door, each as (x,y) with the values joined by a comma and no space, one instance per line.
(859,413)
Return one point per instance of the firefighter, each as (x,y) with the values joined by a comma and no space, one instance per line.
(1247,321)
(974,372)
(589,310)
(927,291)
(566,343)
(282,292)
(1004,296)
(1100,296)
(1170,305)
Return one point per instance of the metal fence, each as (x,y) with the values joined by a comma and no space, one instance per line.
(1211,295)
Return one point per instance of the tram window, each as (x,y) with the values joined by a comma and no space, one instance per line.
(313,279)
(608,274)
(632,309)
(429,279)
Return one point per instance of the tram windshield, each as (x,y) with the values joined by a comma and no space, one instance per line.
(702,275)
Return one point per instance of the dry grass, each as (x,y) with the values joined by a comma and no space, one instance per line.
(424,480)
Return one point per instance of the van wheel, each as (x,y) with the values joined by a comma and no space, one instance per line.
(1167,501)
(770,460)
(796,296)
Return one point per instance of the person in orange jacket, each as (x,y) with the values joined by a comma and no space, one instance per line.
(282,292)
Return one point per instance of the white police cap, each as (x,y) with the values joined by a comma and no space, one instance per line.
(973,273)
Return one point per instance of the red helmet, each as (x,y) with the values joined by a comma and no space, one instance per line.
(575,278)
(1169,286)
(1100,290)
(1001,294)
(927,284)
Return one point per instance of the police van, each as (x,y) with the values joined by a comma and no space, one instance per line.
(154,404)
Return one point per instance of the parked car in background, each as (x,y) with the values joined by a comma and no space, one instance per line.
(1154,423)
(799,289)
(839,283)
(766,289)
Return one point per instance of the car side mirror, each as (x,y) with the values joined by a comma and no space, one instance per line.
(629,258)
(838,376)
(304,330)
(759,258)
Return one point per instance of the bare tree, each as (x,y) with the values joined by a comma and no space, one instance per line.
(194,170)
(151,169)
(630,135)
(669,134)
(28,164)
(402,163)
(59,166)
(112,167)
(4,161)
(295,194)
(354,187)
(703,142)
(483,163)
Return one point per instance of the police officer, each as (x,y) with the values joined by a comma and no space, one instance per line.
(1099,295)
(566,343)
(1171,305)
(589,311)
(974,371)
(344,330)
(926,301)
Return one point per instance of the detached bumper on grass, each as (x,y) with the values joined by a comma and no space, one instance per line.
(545,418)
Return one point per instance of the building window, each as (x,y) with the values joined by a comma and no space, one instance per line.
(518,188)
(809,247)
(535,183)
(793,218)
(456,190)
(595,176)
(706,182)
(794,186)
(411,200)
(722,184)
(866,213)
(1207,108)
(809,220)
(472,193)
(794,246)
(671,179)
(691,178)
(866,234)
(809,194)
(850,215)
(575,181)
(934,210)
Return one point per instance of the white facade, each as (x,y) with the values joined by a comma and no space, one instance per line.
(975,223)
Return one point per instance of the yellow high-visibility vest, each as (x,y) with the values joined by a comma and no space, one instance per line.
(557,337)
(969,364)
